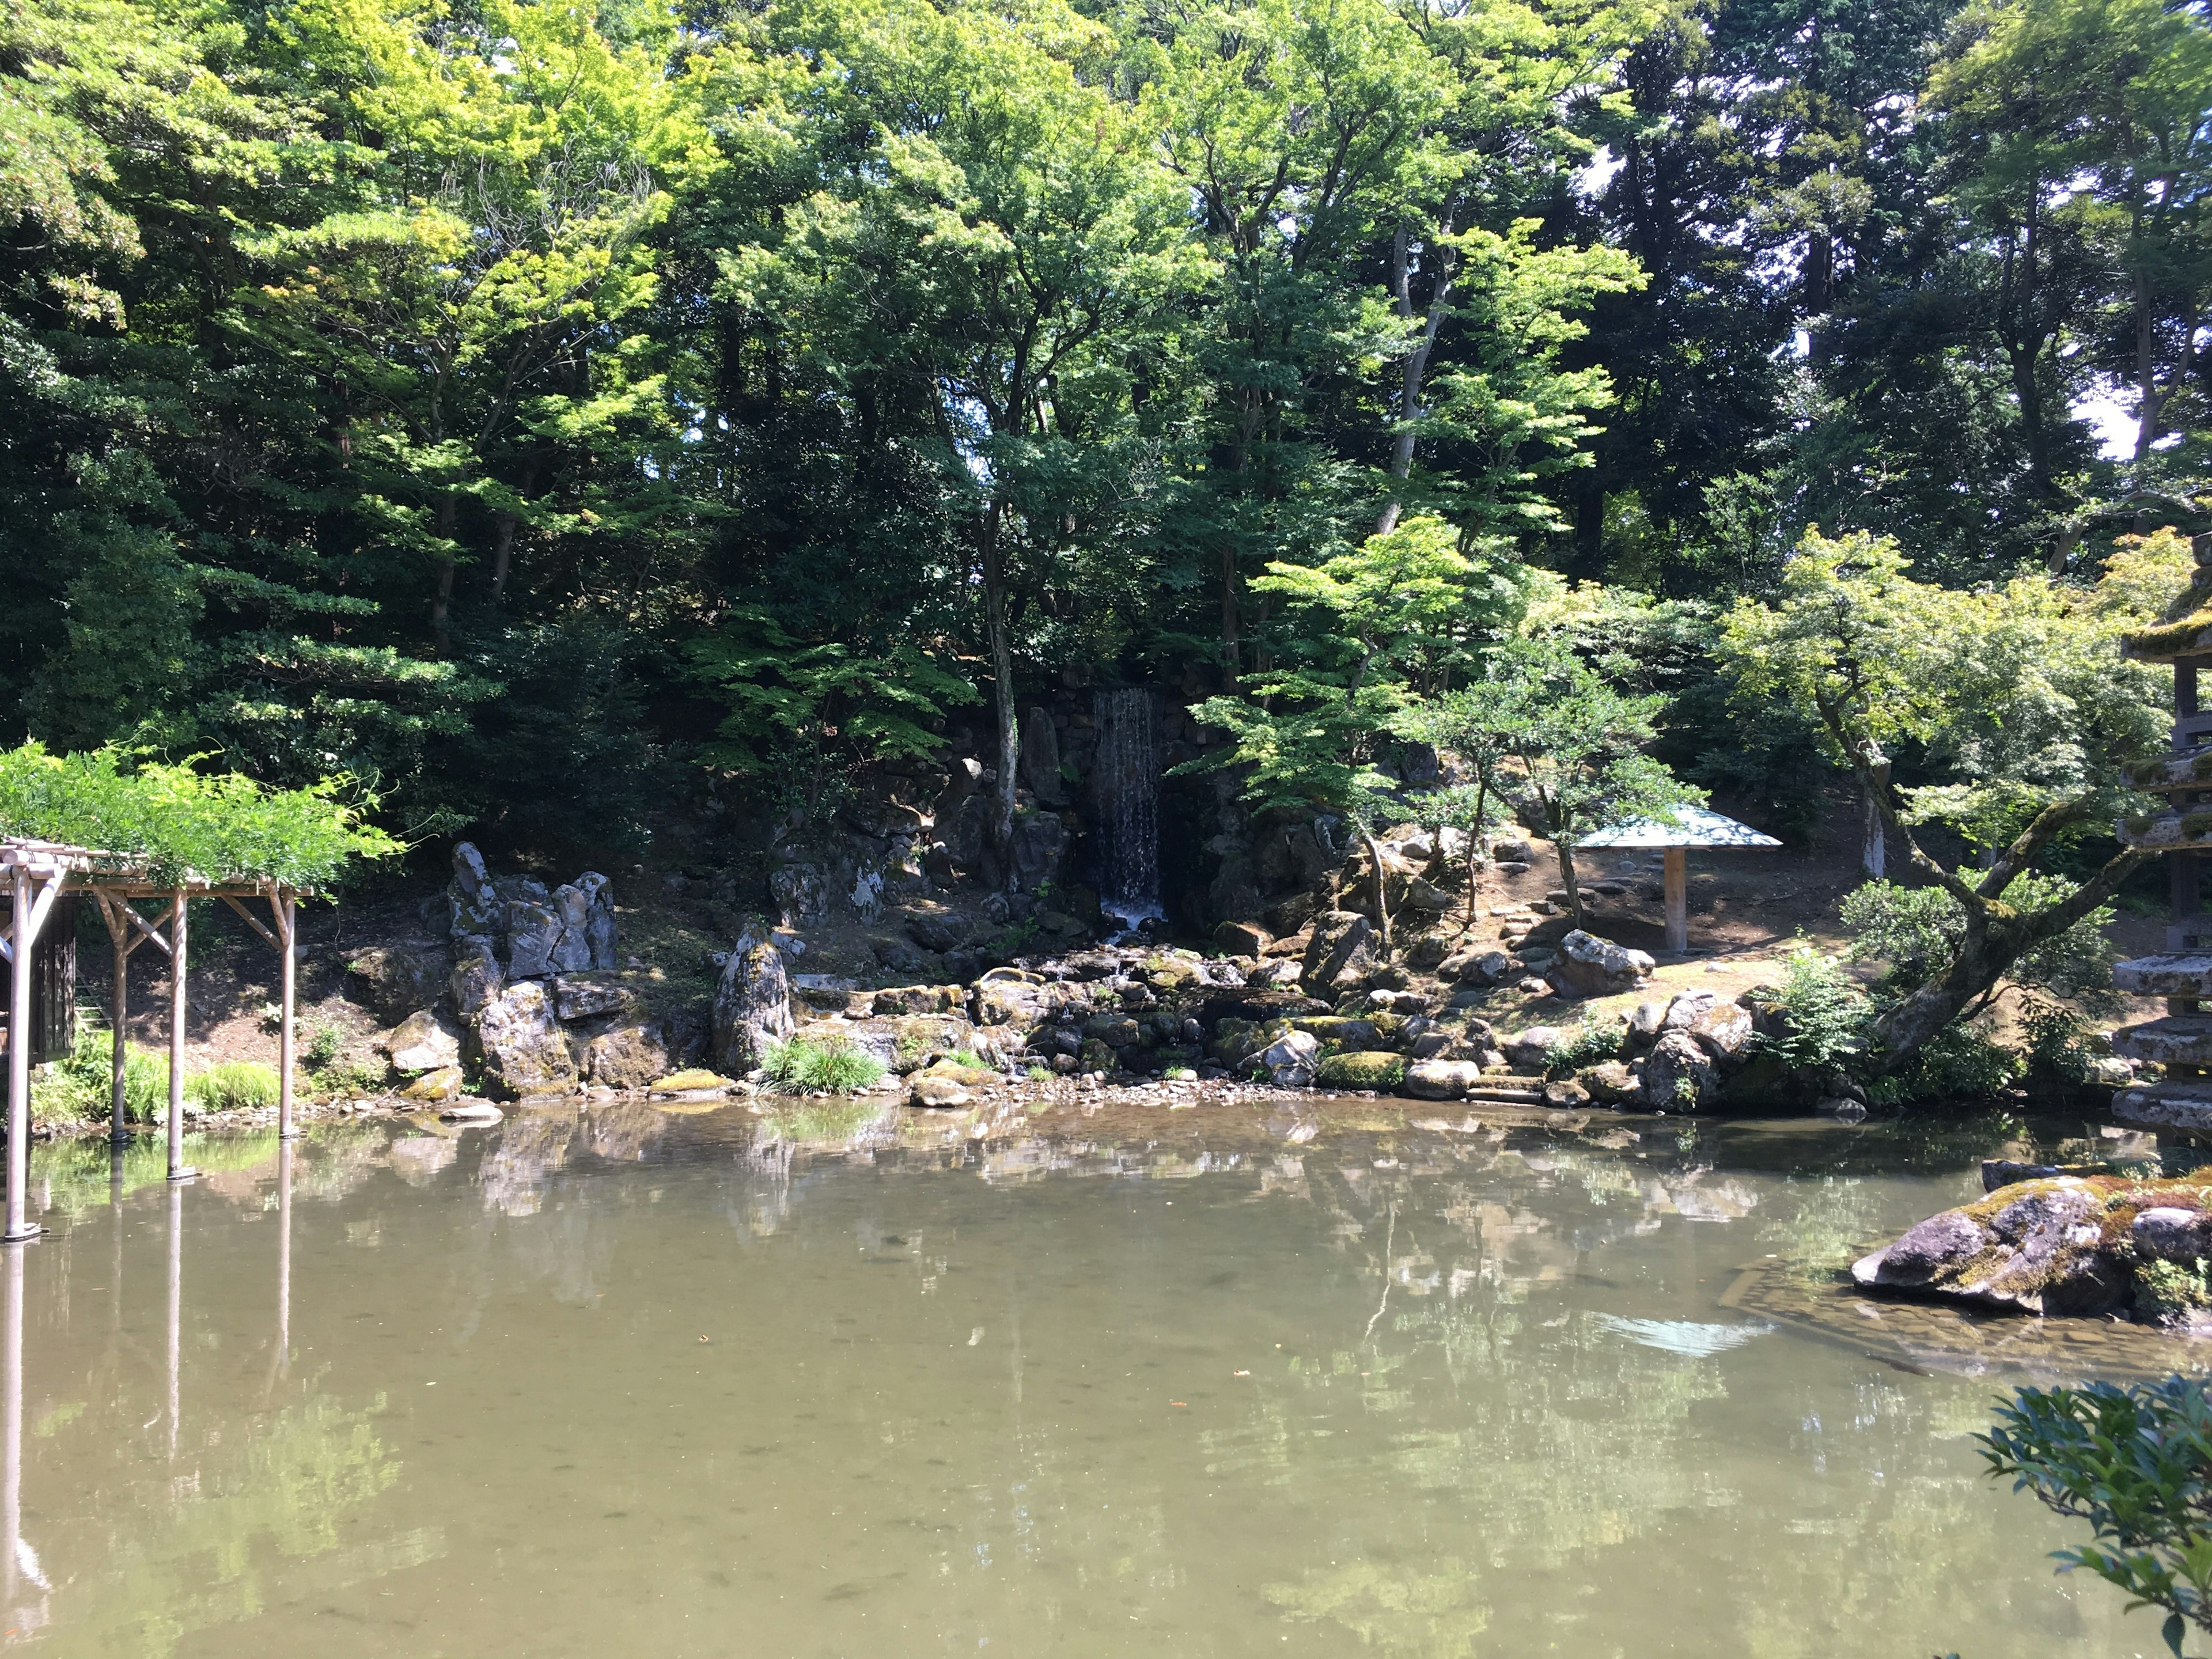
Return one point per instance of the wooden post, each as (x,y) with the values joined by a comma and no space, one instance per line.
(178,928)
(281,907)
(19,1051)
(11,1424)
(176,1308)
(30,914)
(122,919)
(1678,901)
(118,1017)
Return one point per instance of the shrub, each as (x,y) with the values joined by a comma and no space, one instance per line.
(233,1086)
(2055,1051)
(1589,1045)
(829,1066)
(1823,1015)
(2133,1463)
(1958,1063)
(323,1047)
(76,1086)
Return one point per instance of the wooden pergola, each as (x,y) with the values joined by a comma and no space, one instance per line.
(1672,836)
(38,873)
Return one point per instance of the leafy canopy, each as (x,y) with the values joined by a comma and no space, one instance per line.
(183,823)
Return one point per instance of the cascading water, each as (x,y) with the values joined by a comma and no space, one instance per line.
(1128,760)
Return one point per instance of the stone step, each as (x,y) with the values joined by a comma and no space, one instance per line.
(2178,1040)
(2175,974)
(2171,830)
(1505,1096)
(2166,1105)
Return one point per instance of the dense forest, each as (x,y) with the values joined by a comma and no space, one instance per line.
(524,407)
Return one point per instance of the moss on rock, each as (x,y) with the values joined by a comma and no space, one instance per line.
(1364,1069)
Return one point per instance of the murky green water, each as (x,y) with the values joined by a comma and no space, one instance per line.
(1219,1382)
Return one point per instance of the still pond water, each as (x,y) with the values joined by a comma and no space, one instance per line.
(1299,1379)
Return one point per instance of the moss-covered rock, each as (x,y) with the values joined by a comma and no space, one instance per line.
(1364,1069)
(2060,1244)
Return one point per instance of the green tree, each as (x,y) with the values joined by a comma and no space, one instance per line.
(1574,747)
(2023,714)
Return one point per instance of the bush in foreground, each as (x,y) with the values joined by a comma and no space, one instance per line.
(833,1066)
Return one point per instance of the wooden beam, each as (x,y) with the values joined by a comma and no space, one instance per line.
(252,920)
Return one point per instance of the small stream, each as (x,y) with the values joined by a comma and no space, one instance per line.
(1296,1378)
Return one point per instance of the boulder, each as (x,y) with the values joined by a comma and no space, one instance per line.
(1531,1050)
(473,904)
(935,1090)
(1475,966)
(592,996)
(532,930)
(443,1084)
(1441,1079)
(2167,1234)
(632,1055)
(1338,953)
(1243,939)
(1565,1095)
(1424,895)
(393,981)
(938,930)
(1611,1084)
(1687,1008)
(1678,1074)
(798,890)
(572,950)
(1035,851)
(1592,967)
(967,777)
(601,931)
(1725,1032)
(1645,1021)
(475,979)
(1927,1250)
(1289,1059)
(525,1053)
(752,1006)
(1364,1069)
(423,1042)
(2039,1247)
(1040,762)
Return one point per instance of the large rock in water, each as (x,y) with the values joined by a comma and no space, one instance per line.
(1592,967)
(632,1056)
(526,1054)
(1441,1079)
(752,1007)
(2066,1244)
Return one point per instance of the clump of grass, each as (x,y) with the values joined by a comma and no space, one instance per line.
(1587,1045)
(233,1086)
(826,1065)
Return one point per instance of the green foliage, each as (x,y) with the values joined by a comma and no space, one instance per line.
(2136,1463)
(1962,1064)
(1587,1045)
(1360,1071)
(1916,931)
(1824,1016)
(323,1045)
(2054,1050)
(79,1086)
(182,821)
(233,1085)
(833,1066)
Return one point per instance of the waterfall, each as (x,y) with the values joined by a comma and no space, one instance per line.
(1129,792)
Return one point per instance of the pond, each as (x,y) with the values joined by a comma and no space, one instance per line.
(1305,1378)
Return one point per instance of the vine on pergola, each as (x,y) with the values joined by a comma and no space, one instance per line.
(179,824)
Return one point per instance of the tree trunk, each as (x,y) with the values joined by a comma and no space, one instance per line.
(1379,887)
(1566,851)
(1002,669)
(1873,848)
(441,598)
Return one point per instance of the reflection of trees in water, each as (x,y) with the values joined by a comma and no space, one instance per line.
(255,1514)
